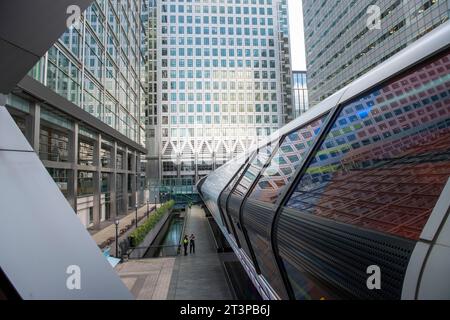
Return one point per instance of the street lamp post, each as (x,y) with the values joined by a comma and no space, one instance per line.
(148,207)
(116,222)
(155,202)
(136,207)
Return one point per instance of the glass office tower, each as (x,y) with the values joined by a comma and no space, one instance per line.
(340,46)
(97,69)
(224,82)
(300,90)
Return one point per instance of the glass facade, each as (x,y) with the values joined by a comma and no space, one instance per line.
(381,168)
(340,47)
(221,81)
(53,144)
(98,64)
(301,104)
(284,163)
(273,179)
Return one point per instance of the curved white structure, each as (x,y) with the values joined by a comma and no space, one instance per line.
(360,180)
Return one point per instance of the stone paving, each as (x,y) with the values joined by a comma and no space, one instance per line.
(110,231)
(147,279)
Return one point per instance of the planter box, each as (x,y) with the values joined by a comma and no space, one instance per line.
(139,252)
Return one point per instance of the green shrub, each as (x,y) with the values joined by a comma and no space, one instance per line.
(139,234)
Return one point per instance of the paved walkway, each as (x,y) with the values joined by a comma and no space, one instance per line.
(109,232)
(198,276)
(147,279)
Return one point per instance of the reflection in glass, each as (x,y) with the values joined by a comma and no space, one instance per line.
(253,170)
(85,153)
(85,183)
(385,161)
(270,185)
(53,144)
(284,163)
(382,167)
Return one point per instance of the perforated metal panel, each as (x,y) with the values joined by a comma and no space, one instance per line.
(337,255)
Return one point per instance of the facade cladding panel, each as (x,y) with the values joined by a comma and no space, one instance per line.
(301,104)
(223,206)
(224,83)
(380,170)
(284,163)
(97,65)
(258,213)
(340,47)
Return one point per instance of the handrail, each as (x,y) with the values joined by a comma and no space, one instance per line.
(158,251)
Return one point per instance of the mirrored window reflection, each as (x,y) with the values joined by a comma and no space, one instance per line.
(53,144)
(85,153)
(61,178)
(71,38)
(272,182)
(253,170)
(85,183)
(284,163)
(382,167)
(385,161)
(223,204)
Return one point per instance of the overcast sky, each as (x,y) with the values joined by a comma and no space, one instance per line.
(296,35)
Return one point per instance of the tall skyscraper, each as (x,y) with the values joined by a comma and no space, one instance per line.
(223,83)
(300,90)
(345,39)
(81,108)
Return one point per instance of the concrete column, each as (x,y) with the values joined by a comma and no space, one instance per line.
(32,122)
(113,182)
(125,182)
(133,180)
(35,113)
(179,166)
(97,181)
(73,158)
(196,160)
(138,179)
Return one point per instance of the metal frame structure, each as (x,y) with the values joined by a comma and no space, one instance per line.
(430,45)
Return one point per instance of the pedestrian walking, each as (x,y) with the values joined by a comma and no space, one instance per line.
(192,243)
(185,244)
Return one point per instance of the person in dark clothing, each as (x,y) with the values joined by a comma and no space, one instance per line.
(192,243)
(185,244)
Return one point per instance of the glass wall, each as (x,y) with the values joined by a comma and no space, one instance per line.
(237,196)
(284,163)
(274,177)
(85,153)
(53,144)
(301,104)
(103,53)
(253,169)
(119,161)
(223,204)
(341,48)
(61,178)
(105,157)
(381,168)
(85,183)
